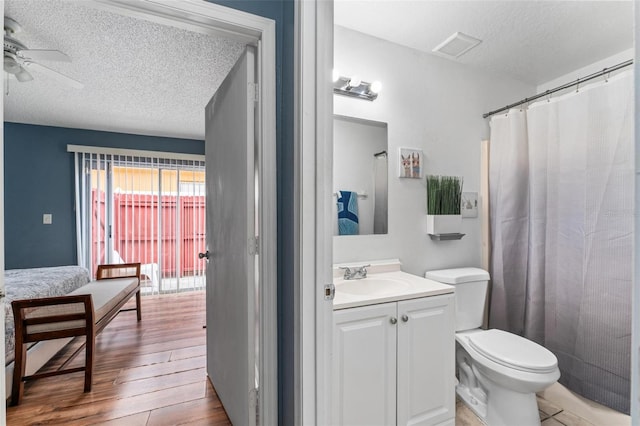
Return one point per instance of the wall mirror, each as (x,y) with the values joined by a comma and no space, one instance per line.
(360,176)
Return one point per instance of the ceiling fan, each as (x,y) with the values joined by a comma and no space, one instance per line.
(20,60)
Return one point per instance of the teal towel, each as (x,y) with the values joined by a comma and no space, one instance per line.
(348,213)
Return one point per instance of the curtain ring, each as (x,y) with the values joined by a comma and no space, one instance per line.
(526,101)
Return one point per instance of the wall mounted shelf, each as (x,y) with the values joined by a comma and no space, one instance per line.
(446,237)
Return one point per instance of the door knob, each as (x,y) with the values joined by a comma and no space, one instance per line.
(204,255)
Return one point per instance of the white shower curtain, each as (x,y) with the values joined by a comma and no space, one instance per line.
(576,257)
(509,217)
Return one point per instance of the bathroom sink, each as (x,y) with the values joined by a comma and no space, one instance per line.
(372,286)
(385,282)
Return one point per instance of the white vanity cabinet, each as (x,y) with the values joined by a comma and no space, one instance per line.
(393,363)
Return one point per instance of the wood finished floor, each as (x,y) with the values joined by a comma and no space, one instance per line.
(146,373)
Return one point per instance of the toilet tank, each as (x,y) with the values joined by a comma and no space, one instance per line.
(471,293)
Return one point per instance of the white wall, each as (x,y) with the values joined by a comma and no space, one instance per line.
(355,142)
(432,104)
(587,70)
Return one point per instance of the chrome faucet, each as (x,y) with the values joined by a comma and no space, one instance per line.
(355,272)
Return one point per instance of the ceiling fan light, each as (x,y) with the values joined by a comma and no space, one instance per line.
(11,66)
(23,76)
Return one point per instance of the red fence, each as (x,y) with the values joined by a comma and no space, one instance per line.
(136,233)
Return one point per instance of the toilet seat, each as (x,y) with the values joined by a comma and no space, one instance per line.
(513,351)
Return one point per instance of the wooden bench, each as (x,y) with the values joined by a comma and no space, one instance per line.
(83,312)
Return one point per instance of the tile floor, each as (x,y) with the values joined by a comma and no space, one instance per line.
(465,417)
(550,415)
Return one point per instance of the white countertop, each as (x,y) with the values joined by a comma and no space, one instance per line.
(385,287)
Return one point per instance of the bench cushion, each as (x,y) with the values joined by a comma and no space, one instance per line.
(105,294)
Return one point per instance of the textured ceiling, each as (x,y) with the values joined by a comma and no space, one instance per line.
(139,77)
(147,78)
(532,41)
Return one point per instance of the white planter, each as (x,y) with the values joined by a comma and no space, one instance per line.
(444,224)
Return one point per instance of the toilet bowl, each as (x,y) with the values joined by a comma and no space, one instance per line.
(499,373)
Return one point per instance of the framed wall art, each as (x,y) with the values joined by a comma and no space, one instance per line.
(411,163)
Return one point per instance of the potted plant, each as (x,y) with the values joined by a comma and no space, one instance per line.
(444,195)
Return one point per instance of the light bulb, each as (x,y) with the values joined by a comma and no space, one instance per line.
(376,86)
(11,65)
(336,75)
(355,81)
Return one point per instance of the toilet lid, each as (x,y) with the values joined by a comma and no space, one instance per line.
(513,351)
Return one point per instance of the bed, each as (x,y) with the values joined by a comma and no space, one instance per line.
(34,283)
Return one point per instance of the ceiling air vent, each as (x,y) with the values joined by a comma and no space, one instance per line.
(456,45)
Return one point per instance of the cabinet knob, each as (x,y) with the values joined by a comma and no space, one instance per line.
(393,320)
(405,318)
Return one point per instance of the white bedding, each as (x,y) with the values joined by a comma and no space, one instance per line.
(34,283)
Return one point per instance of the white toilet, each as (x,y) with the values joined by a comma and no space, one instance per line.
(499,372)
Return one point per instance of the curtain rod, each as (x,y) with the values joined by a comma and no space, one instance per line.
(564,86)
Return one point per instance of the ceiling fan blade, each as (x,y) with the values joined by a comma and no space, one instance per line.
(23,75)
(54,74)
(43,55)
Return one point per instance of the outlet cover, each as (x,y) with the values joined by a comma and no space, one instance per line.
(47,219)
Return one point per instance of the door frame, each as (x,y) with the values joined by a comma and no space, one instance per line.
(635,307)
(313,177)
(3,390)
(215,20)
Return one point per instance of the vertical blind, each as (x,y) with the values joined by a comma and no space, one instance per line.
(142,206)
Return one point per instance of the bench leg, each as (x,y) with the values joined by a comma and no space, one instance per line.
(90,347)
(19,368)
(138,306)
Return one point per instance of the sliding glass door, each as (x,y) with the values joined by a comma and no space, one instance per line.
(143,209)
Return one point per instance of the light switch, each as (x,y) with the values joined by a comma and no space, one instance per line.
(47,218)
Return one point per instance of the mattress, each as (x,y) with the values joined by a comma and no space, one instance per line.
(35,283)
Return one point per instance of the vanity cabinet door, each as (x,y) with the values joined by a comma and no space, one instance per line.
(364,365)
(426,361)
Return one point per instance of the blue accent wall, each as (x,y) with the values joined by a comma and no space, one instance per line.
(39,178)
(282,11)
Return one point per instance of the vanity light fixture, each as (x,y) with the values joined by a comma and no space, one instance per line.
(355,87)
(376,86)
(335,75)
(355,81)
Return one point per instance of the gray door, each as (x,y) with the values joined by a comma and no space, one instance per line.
(231,271)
